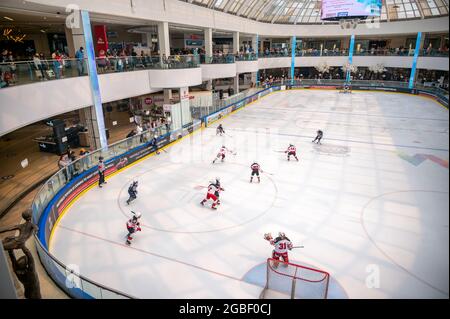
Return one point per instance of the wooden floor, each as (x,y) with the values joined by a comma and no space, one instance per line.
(19,145)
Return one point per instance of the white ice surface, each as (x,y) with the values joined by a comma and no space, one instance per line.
(369,212)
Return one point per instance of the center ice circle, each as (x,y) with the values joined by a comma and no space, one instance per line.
(173,203)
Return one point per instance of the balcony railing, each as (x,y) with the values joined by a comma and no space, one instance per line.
(217,59)
(25,72)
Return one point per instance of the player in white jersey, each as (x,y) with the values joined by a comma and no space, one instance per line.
(133,225)
(213,194)
(291,151)
(282,245)
(223,150)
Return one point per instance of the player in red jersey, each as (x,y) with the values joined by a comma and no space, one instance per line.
(256,168)
(133,225)
(213,194)
(281,246)
(291,151)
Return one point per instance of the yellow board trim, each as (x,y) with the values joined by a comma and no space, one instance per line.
(202,127)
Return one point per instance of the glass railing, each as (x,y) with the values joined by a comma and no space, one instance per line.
(246,57)
(74,284)
(217,59)
(434,53)
(385,52)
(24,72)
(281,54)
(324,52)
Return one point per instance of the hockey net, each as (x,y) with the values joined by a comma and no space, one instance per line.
(293,281)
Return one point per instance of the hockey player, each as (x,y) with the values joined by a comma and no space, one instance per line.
(132,191)
(223,150)
(219,189)
(318,137)
(220,130)
(133,225)
(256,168)
(291,151)
(282,244)
(213,189)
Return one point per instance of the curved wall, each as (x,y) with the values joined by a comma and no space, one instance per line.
(175,78)
(218,71)
(247,66)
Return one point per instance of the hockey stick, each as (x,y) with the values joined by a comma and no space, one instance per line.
(264,172)
(200,187)
(298,247)
(280,151)
(227,134)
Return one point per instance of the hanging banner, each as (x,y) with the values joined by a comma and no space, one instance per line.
(101,39)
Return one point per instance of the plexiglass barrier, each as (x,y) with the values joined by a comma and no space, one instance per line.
(78,286)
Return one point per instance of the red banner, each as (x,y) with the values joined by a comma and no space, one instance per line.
(101,40)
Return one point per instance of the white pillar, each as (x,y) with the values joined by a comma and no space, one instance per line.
(236,42)
(236,84)
(208,42)
(167,96)
(75,39)
(209,85)
(163,38)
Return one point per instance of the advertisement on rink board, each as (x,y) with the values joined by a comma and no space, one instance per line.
(90,177)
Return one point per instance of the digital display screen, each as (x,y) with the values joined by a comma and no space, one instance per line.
(341,9)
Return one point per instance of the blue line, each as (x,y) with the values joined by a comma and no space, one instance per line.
(353,141)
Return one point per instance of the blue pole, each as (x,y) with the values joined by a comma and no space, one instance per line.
(256,48)
(350,56)
(414,64)
(93,78)
(293,45)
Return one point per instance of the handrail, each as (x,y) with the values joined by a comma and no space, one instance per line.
(56,260)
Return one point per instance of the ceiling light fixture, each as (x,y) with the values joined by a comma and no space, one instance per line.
(8,18)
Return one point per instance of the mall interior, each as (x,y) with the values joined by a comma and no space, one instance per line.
(77,76)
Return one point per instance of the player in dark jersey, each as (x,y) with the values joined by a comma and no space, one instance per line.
(256,169)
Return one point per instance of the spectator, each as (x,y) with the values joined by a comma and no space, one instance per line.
(101,172)
(79,55)
(38,65)
(63,163)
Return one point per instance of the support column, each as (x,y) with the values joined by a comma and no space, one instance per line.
(255,46)
(209,85)
(236,42)
(208,42)
(75,39)
(163,39)
(413,76)
(236,84)
(293,46)
(97,117)
(350,57)
(167,96)
(147,39)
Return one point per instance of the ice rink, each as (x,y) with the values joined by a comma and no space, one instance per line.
(370,205)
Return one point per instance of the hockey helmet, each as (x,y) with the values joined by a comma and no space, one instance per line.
(137,215)
(282,235)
